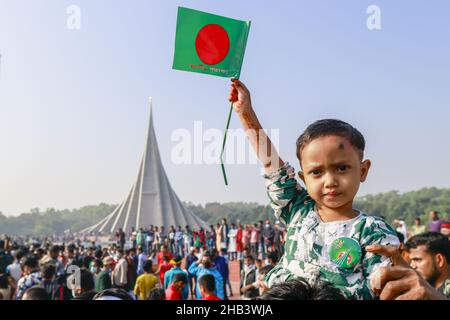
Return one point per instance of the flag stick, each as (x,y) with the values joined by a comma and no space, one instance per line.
(223,144)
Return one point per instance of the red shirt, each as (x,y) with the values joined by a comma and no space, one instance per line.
(160,256)
(211,297)
(163,268)
(172,293)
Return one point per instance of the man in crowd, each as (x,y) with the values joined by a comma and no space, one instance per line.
(170,274)
(120,272)
(434,225)
(145,282)
(207,284)
(103,280)
(429,254)
(206,267)
(174,290)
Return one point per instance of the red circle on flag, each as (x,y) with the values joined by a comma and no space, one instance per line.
(212,44)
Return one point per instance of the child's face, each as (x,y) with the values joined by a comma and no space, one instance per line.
(332,171)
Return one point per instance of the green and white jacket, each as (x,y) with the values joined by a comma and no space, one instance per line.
(330,251)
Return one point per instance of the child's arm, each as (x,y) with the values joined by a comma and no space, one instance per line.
(265,150)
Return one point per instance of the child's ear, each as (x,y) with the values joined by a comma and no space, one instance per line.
(301,176)
(365,166)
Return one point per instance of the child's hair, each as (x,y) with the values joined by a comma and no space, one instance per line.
(331,127)
(208,282)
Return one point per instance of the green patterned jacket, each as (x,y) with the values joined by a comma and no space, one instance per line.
(331,251)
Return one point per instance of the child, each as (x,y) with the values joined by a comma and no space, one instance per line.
(326,237)
(207,284)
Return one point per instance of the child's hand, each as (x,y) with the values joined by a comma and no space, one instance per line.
(239,96)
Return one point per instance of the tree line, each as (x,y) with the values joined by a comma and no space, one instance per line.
(391,205)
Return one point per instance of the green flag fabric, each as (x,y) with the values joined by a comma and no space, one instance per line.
(210,44)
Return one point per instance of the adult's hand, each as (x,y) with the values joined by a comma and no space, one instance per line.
(401,282)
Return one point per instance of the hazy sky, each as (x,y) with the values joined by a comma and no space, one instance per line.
(74,111)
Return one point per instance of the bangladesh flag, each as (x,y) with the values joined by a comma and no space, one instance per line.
(208,43)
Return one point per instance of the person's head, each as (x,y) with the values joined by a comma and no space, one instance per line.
(429,254)
(165,259)
(112,294)
(331,156)
(417,221)
(148,266)
(30,265)
(258,263)
(206,260)
(272,258)
(157,294)
(207,285)
(300,289)
(108,263)
(54,252)
(261,274)
(19,255)
(120,253)
(164,248)
(140,249)
(224,221)
(434,215)
(176,261)
(48,271)
(36,293)
(445,228)
(179,281)
(249,260)
(84,284)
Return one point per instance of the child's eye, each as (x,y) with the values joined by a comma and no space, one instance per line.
(315,172)
(342,168)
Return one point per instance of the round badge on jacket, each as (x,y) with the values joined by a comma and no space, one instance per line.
(345,252)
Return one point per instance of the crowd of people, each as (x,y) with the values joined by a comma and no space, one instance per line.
(181,264)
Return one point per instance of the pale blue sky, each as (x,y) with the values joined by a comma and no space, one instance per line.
(73,104)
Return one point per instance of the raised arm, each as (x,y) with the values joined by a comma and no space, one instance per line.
(265,150)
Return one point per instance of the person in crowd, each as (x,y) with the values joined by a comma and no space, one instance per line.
(434,224)
(179,241)
(429,255)
(232,241)
(445,228)
(146,282)
(103,280)
(120,236)
(301,289)
(54,289)
(7,285)
(190,259)
(221,263)
(259,284)
(239,241)
(120,272)
(113,294)
(15,269)
(206,266)
(418,227)
(163,268)
(400,281)
(268,235)
(31,276)
(157,294)
(84,287)
(170,274)
(174,290)
(207,284)
(248,277)
(36,293)
(142,258)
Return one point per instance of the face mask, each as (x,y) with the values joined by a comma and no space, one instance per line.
(94,270)
(267,225)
